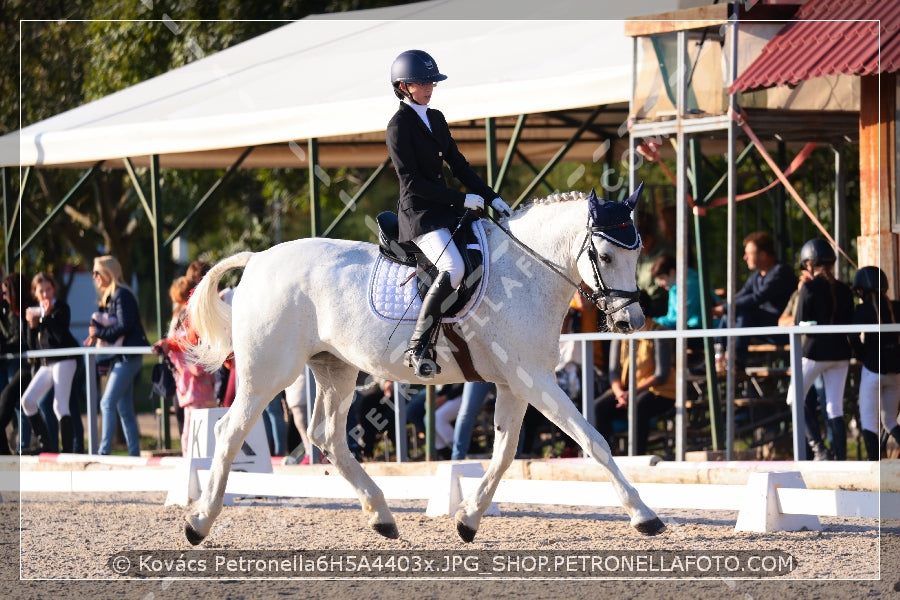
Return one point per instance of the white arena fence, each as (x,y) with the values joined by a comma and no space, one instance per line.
(89,356)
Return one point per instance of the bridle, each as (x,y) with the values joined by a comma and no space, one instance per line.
(602,293)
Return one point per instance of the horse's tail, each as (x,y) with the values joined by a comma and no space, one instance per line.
(209,317)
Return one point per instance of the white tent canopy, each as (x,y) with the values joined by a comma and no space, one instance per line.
(329,76)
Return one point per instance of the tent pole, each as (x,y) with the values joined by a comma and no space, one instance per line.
(315,196)
(6,227)
(490,141)
(159,276)
(510,152)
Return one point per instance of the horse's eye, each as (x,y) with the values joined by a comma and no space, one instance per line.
(605,258)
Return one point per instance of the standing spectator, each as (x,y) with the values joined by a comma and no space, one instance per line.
(815,402)
(12,326)
(764,295)
(880,355)
(825,301)
(48,328)
(118,301)
(194,387)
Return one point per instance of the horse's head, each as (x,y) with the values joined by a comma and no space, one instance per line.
(608,260)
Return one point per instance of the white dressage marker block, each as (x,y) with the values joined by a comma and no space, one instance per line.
(447,491)
(761,511)
(253,457)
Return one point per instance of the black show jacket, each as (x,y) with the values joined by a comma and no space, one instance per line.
(426,203)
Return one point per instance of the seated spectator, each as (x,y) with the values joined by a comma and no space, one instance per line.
(652,247)
(447,402)
(764,295)
(664,272)
(373,410)
(655,391)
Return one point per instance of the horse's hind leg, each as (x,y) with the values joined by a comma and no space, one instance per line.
(231,430)
(508,414)
(548,398)
(335,381)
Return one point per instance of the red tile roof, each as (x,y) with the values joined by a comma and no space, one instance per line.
(828,37)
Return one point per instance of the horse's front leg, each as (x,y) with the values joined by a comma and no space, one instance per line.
(548,398)
(508,414)
(231,430)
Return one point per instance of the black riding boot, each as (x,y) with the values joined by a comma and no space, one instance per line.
(67,432)
(839,438)
(873,444)
(39,430)
(421,355)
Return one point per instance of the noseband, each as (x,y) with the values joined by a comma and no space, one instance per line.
(603,292)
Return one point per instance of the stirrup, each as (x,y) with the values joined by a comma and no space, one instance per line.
(423,361)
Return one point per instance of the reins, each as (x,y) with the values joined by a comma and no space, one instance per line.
(599,297)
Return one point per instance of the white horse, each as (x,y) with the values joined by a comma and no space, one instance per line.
(304,303)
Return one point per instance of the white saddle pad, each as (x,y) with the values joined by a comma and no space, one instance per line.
(390,301)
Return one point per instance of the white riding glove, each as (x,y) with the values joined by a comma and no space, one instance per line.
(474,202)
(500,206)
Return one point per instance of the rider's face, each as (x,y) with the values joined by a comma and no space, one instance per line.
(421,92)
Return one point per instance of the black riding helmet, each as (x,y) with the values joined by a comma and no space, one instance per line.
(816,252)
(414,66)
(870,279)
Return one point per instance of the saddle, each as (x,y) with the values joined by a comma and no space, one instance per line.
(408,254)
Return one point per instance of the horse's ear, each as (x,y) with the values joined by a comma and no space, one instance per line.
(632,200)
(592,197)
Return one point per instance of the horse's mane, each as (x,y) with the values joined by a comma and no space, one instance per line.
(553,199)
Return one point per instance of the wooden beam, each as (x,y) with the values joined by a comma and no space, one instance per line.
(878,243)
(678,20)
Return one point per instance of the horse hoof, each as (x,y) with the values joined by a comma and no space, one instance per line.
(652,527)
(465,532)
(388,530)
(191,534)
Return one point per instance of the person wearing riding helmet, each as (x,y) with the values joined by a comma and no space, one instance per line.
(880,357)
(825,301)
(419,142)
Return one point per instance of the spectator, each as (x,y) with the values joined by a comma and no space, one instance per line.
(48,328)
(117,300)
(18,371)
(880,356)
(196,270)
(652,247)
(275,425)
(373,409)
(764,295)
(663,271)
(815,402)
(194,386)
(472,400)
(296,399)
(655,391)
(825,301)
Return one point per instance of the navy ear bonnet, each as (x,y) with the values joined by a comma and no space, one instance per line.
(612,220)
